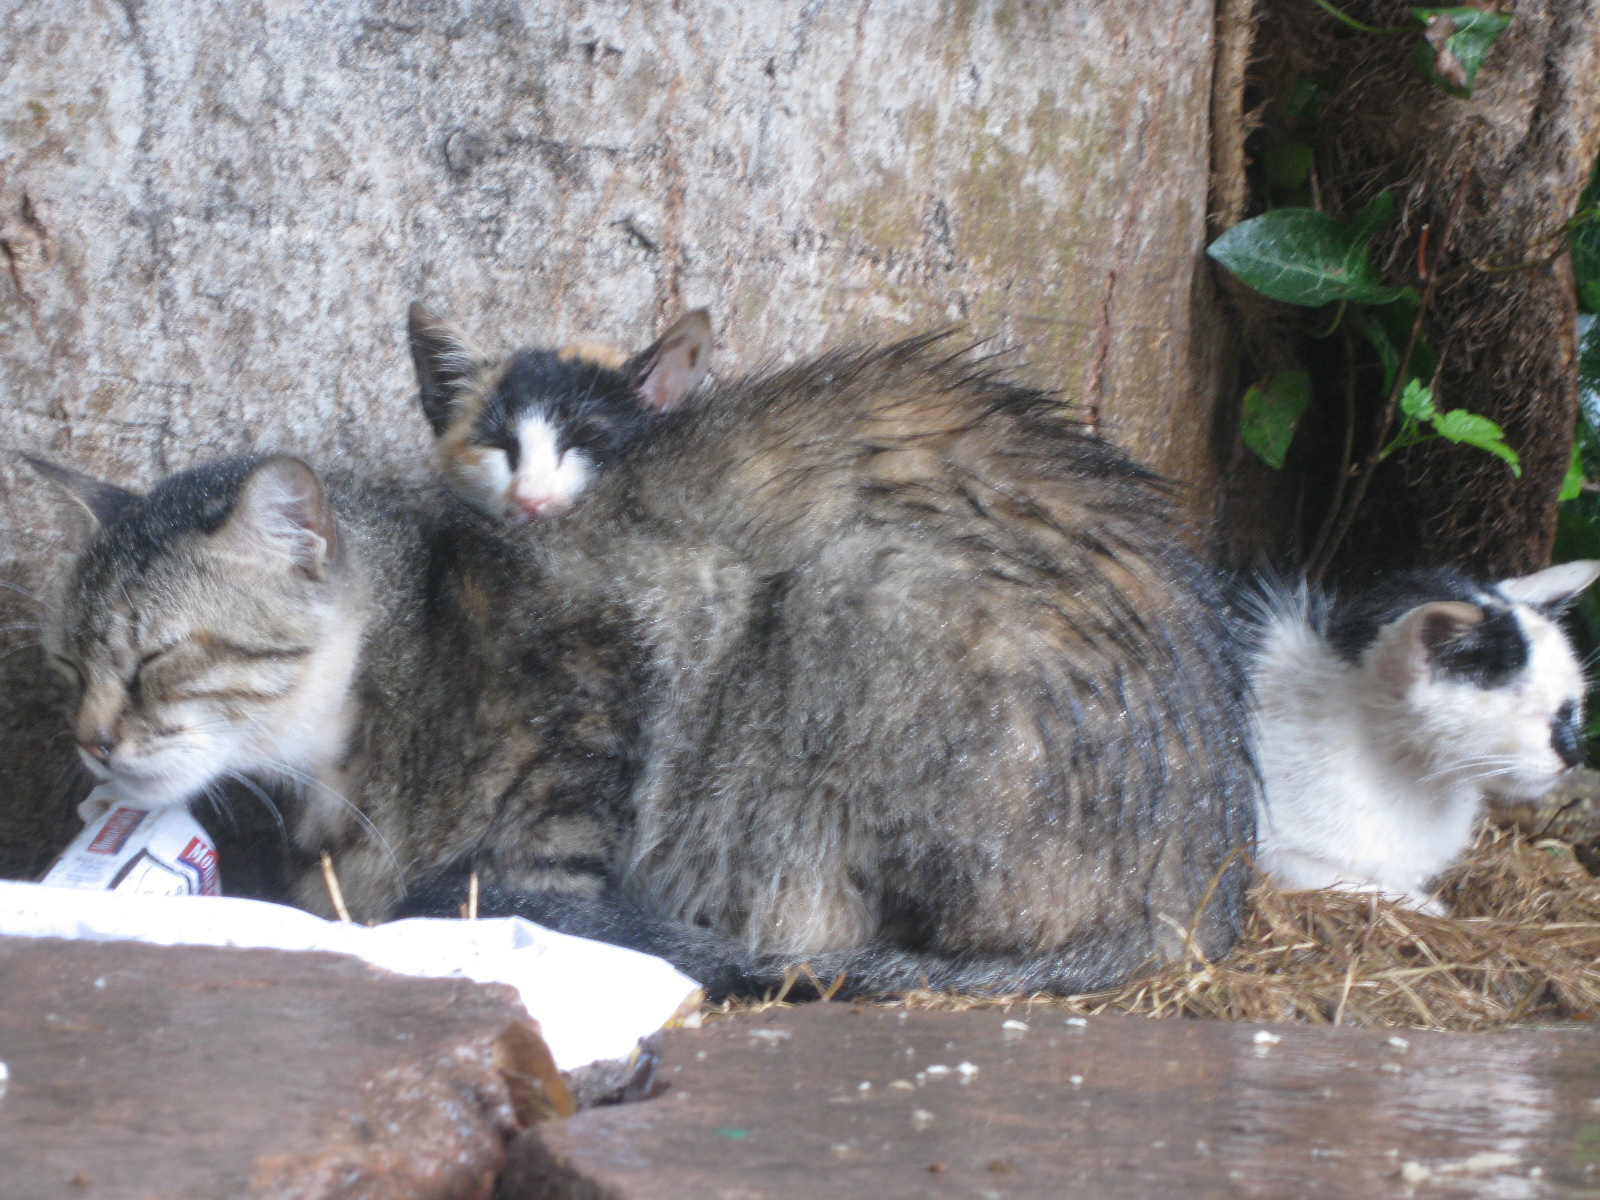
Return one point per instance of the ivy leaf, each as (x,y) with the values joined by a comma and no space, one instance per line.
(1302,256)
(1572,485)
(1417,402)
(1271,410)
(1286,165)
(1388,328)
(1454,43)
(1459,425)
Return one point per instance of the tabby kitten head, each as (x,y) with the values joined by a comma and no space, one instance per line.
(522,437)
(203,629)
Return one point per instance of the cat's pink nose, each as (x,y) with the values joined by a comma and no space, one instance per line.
(539,506)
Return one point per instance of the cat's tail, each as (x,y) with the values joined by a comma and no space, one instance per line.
(717,963)
(1097,962)
(726,968)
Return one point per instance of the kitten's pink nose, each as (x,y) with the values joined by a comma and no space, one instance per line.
(538,506)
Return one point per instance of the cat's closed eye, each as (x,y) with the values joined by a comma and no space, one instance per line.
(68,670)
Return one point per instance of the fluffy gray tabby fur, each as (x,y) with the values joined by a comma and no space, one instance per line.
(873,664)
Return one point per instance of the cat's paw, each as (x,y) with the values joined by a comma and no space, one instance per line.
(97,803)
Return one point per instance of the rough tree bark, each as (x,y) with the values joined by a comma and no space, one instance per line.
(212,215)
(1525,142)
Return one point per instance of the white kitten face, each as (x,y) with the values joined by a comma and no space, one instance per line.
(523,438)
(1514,736)
(546,479)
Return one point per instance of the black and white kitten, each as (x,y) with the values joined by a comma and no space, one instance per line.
(524,436)
(1386,719)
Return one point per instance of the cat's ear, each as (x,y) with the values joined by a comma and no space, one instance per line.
(1553,587)
(674,364)
(444,359)
(1405,647)
(282,511)
(101,502)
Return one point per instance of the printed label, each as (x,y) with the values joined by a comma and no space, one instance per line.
(114,835)
(202,857)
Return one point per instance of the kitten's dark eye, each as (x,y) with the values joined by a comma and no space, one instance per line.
(594,437)
(511,448)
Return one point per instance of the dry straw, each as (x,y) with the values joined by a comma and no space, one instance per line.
(1522,944)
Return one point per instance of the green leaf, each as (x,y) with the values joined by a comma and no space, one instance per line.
(1459,425)
(1286,165)
(1305,101)
(1373,217)
(1572,485)
(1589,296)
(1575,538)
(1584,243)
(1271,410)
(1454,43)
(1417,402)
(1301,256)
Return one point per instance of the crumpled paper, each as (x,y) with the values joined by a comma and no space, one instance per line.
(593,1001)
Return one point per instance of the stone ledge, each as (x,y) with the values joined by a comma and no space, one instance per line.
(141,1071)
(831,1100)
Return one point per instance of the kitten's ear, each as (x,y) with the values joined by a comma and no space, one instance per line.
(674,364)
(444,357)
(1403,650)
(1552,587)
(103,503)
(282,511)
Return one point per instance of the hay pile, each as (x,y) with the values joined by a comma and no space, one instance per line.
(1523,944)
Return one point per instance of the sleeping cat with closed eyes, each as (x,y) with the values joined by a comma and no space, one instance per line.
(874,663)
(523,437)
(1388,719)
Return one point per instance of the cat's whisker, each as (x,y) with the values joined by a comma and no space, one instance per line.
(277,817)
(1500,764)
(213,795)
(311,781)
(22,591)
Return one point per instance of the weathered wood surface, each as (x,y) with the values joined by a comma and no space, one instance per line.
(212,216)
(829,1101)
(194,1073)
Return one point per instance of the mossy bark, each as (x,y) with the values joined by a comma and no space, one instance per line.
(213,215)
(1522,147)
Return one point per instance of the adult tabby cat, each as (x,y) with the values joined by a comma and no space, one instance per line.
(872,664)
(938,695)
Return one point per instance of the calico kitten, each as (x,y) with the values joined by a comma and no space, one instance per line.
(524,437)
(1386,720)
(938,697)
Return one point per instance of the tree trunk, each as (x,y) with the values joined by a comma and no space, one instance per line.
(1521,149)
(212,216)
